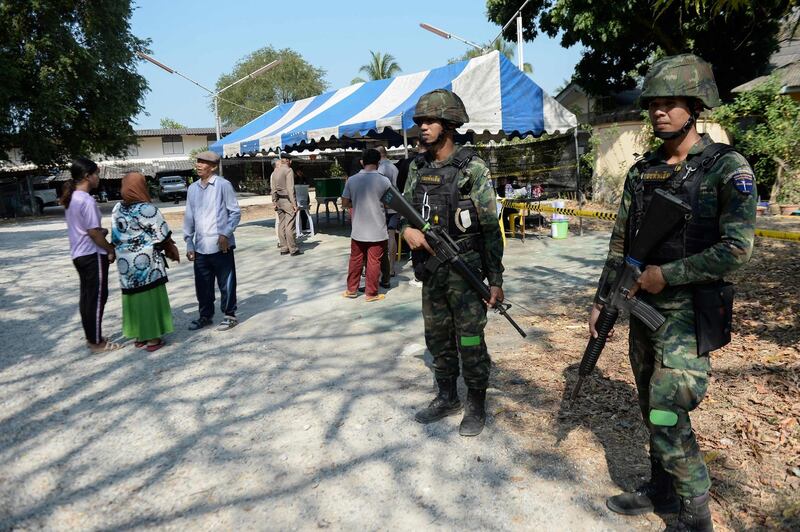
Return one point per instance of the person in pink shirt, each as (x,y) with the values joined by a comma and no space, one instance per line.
(91,252)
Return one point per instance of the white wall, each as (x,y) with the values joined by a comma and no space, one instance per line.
(151,148)
(616,147)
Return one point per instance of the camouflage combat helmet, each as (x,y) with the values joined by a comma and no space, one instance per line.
(684,75)
(441,104)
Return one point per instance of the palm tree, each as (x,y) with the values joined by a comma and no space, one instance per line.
(501,45)
(382,66)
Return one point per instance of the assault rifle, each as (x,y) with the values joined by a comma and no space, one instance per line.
(445,248)
(665,215)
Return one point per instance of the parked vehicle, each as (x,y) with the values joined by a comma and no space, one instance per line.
(45,197)
(172,187)
(43,193)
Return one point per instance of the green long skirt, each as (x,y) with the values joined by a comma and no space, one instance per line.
(146,315)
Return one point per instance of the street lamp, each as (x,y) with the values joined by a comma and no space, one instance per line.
(215,95)
(517,16)
(251,75)
(448,35)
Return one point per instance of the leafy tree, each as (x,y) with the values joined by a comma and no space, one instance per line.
(70,85)
(381,66)
(718,5)
(621,39)
(766,127)
(506,48)
(293,79)
(168,123)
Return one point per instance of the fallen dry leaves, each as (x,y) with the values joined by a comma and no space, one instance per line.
(748,426)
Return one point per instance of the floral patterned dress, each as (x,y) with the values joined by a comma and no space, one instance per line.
(136,231)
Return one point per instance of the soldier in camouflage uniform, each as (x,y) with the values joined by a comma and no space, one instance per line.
(683,280)
(451,187)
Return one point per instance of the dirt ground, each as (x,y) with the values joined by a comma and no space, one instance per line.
(249,214)
(286,433)
(747,425)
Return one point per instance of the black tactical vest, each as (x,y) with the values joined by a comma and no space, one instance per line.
(439,199)
(684,180)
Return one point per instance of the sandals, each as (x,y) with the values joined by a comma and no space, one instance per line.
(199,323)
(108,346)
(376,297)
(228,322)
(138,345)
(349,295)
(155,347)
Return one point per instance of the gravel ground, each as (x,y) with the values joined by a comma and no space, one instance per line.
(299,418)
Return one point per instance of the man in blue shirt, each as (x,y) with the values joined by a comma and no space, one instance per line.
(212,214)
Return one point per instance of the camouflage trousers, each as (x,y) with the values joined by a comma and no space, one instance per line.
(672,380)
(455,317)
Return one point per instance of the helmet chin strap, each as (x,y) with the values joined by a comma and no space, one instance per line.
(436,144)
(669,135)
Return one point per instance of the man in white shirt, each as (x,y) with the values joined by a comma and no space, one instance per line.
(212,214)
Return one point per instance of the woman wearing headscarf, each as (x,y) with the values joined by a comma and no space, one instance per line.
(91,253)
(141,238)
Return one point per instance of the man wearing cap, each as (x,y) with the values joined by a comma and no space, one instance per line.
(683,280)
(282,185)
(212,214)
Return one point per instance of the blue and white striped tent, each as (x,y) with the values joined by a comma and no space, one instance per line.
(500,100)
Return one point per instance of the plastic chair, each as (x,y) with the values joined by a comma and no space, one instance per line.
(303,201)
(500,220)
(512,222)
(328,192)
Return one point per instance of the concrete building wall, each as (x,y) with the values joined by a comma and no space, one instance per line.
(153,148)
(617,146)
(578,103)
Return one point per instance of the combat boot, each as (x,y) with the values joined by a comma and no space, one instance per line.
(695,515)
(474,413)
(656,495)
(445,403)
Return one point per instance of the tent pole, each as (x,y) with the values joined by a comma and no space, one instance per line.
(405,142)
(578,181)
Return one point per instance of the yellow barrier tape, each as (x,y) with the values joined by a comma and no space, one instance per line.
(781,235)
(538,207)
(610,216)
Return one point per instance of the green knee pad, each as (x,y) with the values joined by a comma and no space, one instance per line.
(663,418)
(470,341)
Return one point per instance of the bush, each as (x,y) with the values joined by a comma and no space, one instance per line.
(766,127)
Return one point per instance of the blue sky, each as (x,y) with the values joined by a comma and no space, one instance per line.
(204,39)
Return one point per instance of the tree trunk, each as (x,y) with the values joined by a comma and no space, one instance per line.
(776,187)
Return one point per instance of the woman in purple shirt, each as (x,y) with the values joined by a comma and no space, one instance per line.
(91,253)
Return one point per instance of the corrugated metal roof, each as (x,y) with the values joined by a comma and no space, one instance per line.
(785,63)
(789,76)
(118,170)
(183,131)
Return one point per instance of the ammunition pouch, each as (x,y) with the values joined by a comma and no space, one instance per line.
(420,262)
(713,310)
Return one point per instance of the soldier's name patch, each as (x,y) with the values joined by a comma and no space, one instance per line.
(743,182)
(657,175)
(431,179)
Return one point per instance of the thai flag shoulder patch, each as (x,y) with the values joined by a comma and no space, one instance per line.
(743,183)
